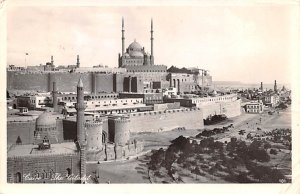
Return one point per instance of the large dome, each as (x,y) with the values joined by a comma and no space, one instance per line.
(136,54)
(46,119)
(135,46)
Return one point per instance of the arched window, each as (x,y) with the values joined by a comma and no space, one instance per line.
(18,177)
(45,174)
(37,175)
(51,174)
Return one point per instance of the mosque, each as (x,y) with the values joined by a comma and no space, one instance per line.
(135,54)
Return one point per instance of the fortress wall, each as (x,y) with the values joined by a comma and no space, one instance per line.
(155,121)
(104,83)
(23,129)
(66,82)
(230,109)
(118,80)
(42,164)
(34,81)
(112,152)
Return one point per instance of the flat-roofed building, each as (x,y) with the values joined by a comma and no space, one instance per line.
(254,107)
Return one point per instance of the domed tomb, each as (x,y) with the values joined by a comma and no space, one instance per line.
(46,129)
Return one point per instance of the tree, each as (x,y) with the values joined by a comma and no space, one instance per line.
(273,151)
(196,171)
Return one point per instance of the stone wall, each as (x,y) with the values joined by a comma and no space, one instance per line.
(23,129)
(45,165)
(115,152)
(155,121)
(230,109)
(67,82)
(26,131)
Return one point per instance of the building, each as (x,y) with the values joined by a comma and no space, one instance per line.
(254,107)
(33,101)
(148,98)
(135,54)
(271,100)
(228,104)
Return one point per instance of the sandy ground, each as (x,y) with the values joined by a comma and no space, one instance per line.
(135,170)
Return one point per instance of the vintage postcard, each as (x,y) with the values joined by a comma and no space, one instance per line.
(201,95)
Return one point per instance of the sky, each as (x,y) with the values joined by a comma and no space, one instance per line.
(249,44)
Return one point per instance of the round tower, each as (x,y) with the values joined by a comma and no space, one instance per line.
(94,135)
(121,132)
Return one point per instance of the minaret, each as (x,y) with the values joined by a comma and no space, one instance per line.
(261,86)
(152,54)
(54,96)
(123,37)
(80,107)
(52,61)
(78,63)
(275,86)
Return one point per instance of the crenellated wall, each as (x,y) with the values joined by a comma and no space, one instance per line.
(66,82)
(154,121)
(115,152)
(230,109)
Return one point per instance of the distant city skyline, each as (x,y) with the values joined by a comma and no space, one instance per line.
(235,43)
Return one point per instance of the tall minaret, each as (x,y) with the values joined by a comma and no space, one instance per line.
(52,61)
(261,86)
(123,37)
(78,63)
(54,96)
(81,139)
(152,54)
(275,86)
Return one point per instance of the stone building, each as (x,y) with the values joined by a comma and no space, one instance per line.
(254,107)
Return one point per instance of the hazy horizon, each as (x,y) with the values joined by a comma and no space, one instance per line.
(240,43)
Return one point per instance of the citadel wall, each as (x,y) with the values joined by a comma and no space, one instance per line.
(155,121)
(115,152)
(66,82)
(230,109)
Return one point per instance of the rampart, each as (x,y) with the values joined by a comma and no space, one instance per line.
(116,152)
(155,121)
(66,81)
(230,109)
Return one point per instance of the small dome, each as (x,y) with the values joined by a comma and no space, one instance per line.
(46,119)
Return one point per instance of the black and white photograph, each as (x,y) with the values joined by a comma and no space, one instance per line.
(150,94)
